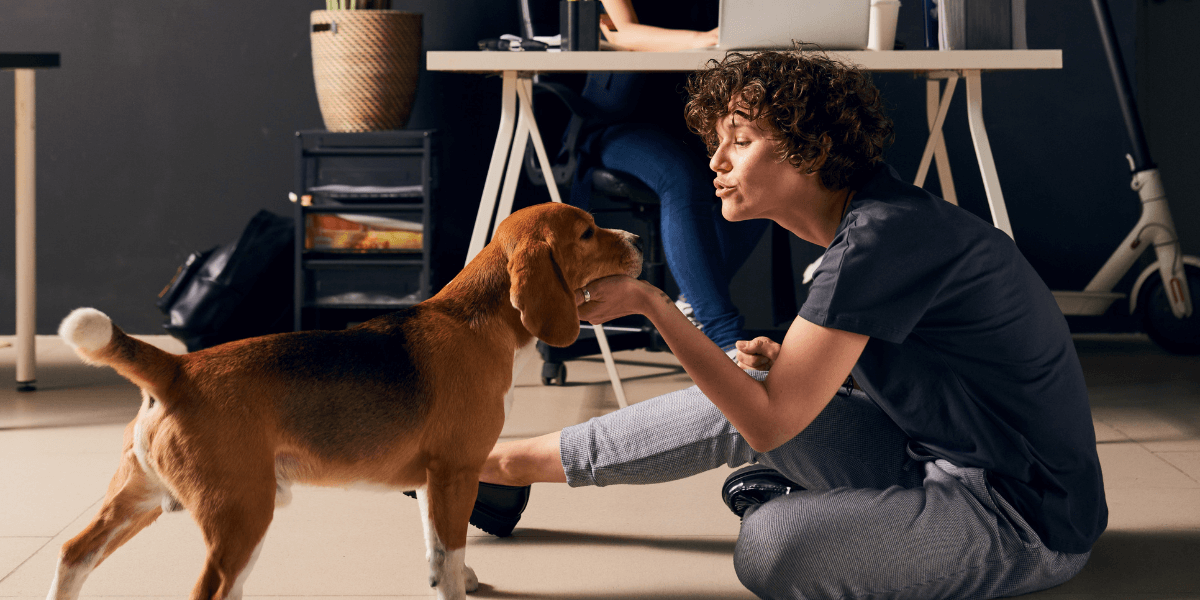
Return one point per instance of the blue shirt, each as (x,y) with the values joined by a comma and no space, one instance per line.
(969,353)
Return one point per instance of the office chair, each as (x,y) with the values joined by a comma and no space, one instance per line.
(617,191)
(612,191)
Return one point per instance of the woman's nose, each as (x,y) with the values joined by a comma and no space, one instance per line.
(718,163)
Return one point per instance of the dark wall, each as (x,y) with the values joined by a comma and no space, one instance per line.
(169,126)
(1168,85)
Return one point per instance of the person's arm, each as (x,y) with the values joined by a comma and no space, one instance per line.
(811,364)
(632,35)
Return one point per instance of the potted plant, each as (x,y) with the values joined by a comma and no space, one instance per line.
(366,59)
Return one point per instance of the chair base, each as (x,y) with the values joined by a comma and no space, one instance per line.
(623,334)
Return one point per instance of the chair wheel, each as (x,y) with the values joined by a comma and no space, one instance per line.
(554,374)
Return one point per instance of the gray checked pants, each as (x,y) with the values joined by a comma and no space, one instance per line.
(874,520)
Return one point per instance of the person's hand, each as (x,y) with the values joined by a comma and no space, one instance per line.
(611,297)
(758,353)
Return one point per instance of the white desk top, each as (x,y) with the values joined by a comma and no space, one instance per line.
(899,60)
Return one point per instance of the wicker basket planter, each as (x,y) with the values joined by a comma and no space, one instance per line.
(365,65)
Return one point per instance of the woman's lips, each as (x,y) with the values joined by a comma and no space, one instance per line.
(722,189)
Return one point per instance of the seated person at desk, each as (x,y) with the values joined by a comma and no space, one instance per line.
(643,134)
(959,461)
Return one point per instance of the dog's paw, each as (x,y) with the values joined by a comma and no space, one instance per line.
(472,582)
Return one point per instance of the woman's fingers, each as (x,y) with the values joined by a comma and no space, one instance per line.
(608,298)
(758,363)
(758,353)
(763,346)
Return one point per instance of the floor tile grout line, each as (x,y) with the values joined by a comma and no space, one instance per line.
(1163,460)
(1185,473)
(1142,445)
(24,537)
(51,539)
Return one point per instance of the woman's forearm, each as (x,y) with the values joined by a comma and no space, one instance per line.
(741,398)
(812,363)
(767,413)
(647,38)
(632,35)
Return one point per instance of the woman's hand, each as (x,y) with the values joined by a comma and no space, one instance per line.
(615,296)
(758,353)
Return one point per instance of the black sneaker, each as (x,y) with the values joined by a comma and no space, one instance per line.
(498,507)
(754,485)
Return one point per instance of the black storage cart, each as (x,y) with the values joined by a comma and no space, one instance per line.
(379,179)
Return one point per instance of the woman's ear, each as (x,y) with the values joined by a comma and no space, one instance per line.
(539,291)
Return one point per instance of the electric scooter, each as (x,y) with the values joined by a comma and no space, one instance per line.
(1164,292)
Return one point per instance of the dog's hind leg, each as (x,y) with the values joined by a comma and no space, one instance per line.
(131,504)
(446,504)
(234,527)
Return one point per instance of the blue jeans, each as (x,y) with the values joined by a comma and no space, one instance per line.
(703,250)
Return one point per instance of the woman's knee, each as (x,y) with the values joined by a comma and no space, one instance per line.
(809,544)
(776,556)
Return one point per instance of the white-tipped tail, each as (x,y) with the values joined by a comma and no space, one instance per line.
(86,328)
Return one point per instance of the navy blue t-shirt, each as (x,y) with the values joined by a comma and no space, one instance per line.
(969,353)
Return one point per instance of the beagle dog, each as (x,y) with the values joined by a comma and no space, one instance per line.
(413,400)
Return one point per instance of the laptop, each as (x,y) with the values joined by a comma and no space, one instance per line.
(775,24)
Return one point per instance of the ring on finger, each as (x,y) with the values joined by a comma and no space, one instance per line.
(587,296)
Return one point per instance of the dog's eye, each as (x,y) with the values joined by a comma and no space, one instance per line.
(588,233)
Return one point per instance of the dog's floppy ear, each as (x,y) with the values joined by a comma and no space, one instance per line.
(540,292)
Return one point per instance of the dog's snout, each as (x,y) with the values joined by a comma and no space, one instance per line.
(634,252)
(631,240)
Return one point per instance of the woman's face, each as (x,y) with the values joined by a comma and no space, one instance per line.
(752,182)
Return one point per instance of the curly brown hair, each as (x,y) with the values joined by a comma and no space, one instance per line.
(816,105)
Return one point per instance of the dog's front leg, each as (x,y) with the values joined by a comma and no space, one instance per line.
(448,572)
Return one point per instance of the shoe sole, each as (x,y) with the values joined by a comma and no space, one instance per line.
(488,521)
(751,481)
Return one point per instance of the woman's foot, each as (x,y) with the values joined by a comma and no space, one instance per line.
(685,307)
(748,487)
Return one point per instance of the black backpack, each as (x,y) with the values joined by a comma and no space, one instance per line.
(235,291)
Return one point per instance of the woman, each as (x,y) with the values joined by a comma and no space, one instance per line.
(960,463)
(640,133)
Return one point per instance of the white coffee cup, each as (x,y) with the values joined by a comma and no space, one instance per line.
(882,32)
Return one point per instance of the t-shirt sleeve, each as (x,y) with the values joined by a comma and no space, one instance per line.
(879,277)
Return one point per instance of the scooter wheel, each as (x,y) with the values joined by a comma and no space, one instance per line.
(1178,336)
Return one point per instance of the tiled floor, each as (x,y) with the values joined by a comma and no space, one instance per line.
(59,446)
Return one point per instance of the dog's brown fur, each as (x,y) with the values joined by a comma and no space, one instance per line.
(410,400)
